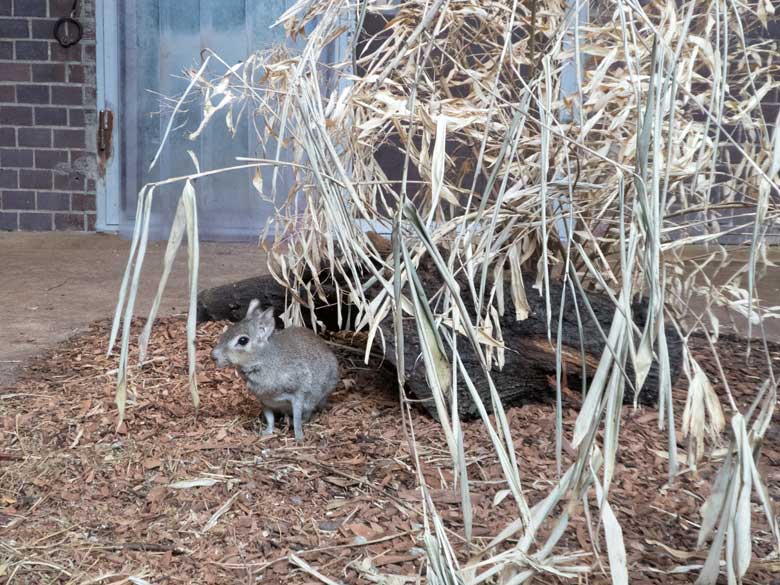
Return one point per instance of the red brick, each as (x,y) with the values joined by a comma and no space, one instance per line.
(72,181)
(16,115)
(82,202)
(90,95)
(35,179)
(53,201)
(30,8)
(89,53)
(69,221)
(16,158)
(35,222)
(9,221)
(87,10)
(34,137)
(80,156)
(91,221)
(69,139)
(50,159)
(43,29)
(15,72)
(9,178)
(6,50)
(32,50)
(47,72)
(7,93)
(14,28)
(51,116)
(60,8)
(32,94)
(68,94)
(88,28)
(76,118)
(7,136)
(18,200)
(76,73)
(60,53)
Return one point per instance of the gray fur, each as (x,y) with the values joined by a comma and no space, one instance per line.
(290,371)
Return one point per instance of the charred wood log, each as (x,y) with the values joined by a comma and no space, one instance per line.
(529,368)
(528,373)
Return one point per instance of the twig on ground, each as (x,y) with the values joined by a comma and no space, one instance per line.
(299,562)
(216,516)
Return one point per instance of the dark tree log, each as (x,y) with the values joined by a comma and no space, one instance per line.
(529,367)
(230,302)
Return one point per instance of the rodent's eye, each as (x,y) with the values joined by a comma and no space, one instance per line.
(243,340)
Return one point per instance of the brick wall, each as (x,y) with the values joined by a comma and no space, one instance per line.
(47,118)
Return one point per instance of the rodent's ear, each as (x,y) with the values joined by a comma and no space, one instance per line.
(265,323)
(253,305)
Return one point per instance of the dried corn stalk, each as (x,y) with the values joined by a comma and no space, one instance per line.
(586,145)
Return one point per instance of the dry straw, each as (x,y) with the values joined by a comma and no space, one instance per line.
(587,144)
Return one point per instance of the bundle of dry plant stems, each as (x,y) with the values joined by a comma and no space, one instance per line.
(591,144)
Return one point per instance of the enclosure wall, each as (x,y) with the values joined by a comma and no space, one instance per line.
(48,133)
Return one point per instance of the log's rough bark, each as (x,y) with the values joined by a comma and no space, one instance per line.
(529,369)
(230,302)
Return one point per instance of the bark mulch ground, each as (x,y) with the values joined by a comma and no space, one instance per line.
(178,498)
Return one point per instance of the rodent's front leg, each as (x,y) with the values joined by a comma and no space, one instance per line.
(269,419)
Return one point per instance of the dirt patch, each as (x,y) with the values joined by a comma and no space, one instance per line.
(79,501)
(53,285)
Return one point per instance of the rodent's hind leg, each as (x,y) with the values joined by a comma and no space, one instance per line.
(297,412)
(269,420)
(308,412)
(323,403)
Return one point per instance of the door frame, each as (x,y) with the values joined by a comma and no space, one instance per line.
(107,66)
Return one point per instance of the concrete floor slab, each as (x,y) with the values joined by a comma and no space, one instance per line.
(53,285)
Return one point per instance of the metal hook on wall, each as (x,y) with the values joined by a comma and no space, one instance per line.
(63,32)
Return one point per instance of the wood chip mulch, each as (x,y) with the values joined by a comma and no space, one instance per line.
(175,497)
